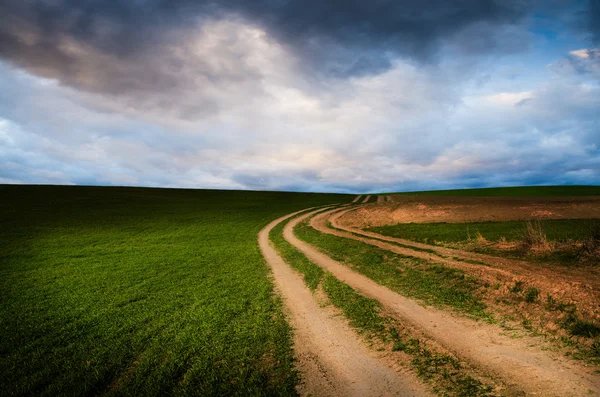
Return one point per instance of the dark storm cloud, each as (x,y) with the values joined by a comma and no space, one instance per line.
(336,37)
(595,20)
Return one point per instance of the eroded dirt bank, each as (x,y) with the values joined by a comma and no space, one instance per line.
(426,209)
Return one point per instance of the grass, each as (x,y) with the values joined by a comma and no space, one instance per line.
(434,284)
(362,312)
(565,241)
(365,315)
(532,295)
(515,191)
(441,367)
(130,291)
(561,230)
(312,273)
(584,328)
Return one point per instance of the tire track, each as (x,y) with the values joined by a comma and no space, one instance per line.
(366,200)
(331,358)
(501,266)
(519,365)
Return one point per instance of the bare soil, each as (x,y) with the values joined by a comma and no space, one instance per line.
(522,364)
(331,358)
(429,209)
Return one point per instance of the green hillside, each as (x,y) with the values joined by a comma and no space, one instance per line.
(124,291)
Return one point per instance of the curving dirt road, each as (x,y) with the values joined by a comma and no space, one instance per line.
(517,362)
(331,358)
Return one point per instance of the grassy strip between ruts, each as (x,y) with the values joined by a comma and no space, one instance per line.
(131,291)
(447,375)
(556,230)
(429,251)
(433,283)
(561,241)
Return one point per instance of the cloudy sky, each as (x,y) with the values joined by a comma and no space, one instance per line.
(316,95)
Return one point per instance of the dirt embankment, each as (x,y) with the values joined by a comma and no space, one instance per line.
(430,209)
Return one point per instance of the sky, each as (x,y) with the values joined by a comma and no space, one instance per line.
(302,95)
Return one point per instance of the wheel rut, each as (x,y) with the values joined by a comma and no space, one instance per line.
(331,358)
(514,266)
(356,198)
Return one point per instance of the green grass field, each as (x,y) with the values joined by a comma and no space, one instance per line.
(561,230)
(564,235)
(523,191)
(132,291)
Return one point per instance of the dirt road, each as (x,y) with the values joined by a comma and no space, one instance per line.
(366,200)
(518,362)
(331,358)
(357,198)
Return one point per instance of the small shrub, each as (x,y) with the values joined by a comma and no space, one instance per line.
(532,294)
(566,307)
(480,239)
(585,328)
(534,237)
(553,304)
(590,248)
(394,335)
(412,346)
(568,321)
(596,347)
(518,287)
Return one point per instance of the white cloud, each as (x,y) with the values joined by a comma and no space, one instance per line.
(508,98)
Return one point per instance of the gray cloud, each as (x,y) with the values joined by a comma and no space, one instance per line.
(368,136)
(342,38)
(340,96)
(594,20)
